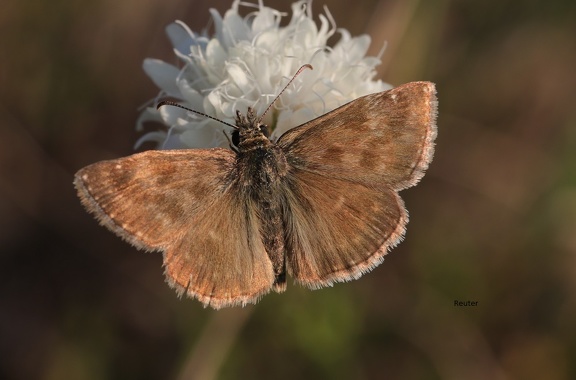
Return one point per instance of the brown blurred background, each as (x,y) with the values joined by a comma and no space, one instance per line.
(493,221)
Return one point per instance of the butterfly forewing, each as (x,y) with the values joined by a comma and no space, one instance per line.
(384,138)
(185,203)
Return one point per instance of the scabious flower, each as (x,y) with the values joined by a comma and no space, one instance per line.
(247,62)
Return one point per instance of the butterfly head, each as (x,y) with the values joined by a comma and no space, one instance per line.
(250,133)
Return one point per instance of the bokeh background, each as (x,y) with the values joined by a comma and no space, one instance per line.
(493,221)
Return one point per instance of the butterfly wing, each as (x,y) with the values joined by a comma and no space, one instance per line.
(343,211)
(186,204)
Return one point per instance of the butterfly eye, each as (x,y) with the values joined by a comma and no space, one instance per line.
(235,138)
(265,131)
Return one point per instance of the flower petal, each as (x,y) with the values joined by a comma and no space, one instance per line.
(149,114)
(163,75)
(181,37)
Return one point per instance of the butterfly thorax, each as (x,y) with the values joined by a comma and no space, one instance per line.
(263,163)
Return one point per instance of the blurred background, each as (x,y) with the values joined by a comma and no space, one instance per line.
(493,221)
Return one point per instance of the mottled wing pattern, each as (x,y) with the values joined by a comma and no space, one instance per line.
(343,211)
(384,138)
(187,205)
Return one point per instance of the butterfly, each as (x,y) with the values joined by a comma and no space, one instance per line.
(320,204)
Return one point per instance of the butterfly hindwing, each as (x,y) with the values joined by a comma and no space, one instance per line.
(337,230)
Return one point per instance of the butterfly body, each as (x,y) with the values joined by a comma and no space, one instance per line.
(260,169)
(321,204)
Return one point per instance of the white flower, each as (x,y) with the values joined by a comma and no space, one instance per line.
(248,62)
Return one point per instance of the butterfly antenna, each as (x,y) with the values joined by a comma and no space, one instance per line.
(306,66)
(170,103)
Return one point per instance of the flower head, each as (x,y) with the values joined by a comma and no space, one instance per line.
(247,62)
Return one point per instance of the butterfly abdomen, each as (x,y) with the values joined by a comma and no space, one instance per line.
(262,172)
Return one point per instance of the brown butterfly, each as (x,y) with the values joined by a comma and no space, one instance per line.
(320,204)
